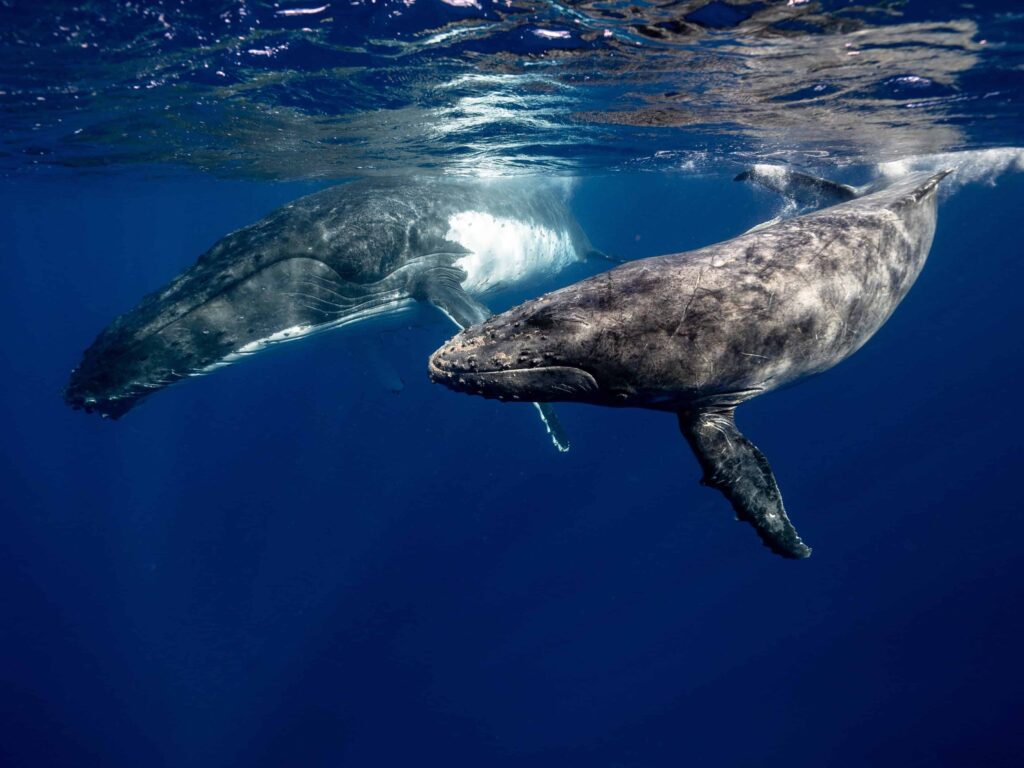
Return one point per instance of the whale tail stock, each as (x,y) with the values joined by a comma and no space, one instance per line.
(802,188)
(735,466)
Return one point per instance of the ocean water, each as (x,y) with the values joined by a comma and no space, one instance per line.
(317,557)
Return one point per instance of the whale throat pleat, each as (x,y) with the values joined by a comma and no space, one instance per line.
(735,466)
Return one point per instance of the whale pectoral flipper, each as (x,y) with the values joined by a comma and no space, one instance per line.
(735,466)
(559,436)
(442,287)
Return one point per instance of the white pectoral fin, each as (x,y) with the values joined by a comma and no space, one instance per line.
(554,427)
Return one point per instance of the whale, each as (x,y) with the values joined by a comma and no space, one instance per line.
(347,254)
(699,333)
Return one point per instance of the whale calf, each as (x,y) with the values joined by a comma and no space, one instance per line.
(701,332)
(339,256)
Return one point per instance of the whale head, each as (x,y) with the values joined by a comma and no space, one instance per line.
(208,318)
(545,350)
(186,331)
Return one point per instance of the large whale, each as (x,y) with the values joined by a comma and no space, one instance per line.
(339,256)
(699,333)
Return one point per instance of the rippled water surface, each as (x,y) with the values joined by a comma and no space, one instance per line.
(297,90)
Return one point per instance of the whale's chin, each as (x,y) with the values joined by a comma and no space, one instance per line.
(538,384)
(107,407)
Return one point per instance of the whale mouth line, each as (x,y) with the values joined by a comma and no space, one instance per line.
(500,372)
(440,370)
(540,383)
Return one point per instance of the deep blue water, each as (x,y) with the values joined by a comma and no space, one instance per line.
(289,563)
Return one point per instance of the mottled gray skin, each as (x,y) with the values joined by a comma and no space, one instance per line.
(333,257)
(698,333)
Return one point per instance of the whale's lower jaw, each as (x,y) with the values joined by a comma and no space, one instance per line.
(108,408)
(542,384)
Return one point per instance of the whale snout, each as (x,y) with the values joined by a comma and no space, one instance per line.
(96,386)
(475,363)
(550,383)
(112,408)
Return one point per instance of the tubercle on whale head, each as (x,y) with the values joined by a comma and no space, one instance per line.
(80,396)
(127,363)
(117,372)
(112,375)
(516,356)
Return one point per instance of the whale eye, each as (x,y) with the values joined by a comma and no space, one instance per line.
(621,392)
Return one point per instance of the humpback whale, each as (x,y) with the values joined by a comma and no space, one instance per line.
(343,255)
(699,333)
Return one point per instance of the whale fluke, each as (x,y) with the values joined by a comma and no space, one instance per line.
(736,467)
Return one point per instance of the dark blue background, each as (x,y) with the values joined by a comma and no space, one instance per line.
(286,564)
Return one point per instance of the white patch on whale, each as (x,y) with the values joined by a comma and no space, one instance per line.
(506,252)
(561,446)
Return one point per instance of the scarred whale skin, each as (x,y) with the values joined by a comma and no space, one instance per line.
(699,333)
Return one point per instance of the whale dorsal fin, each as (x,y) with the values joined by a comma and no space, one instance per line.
(801,188)
(441,285)
(735,466)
